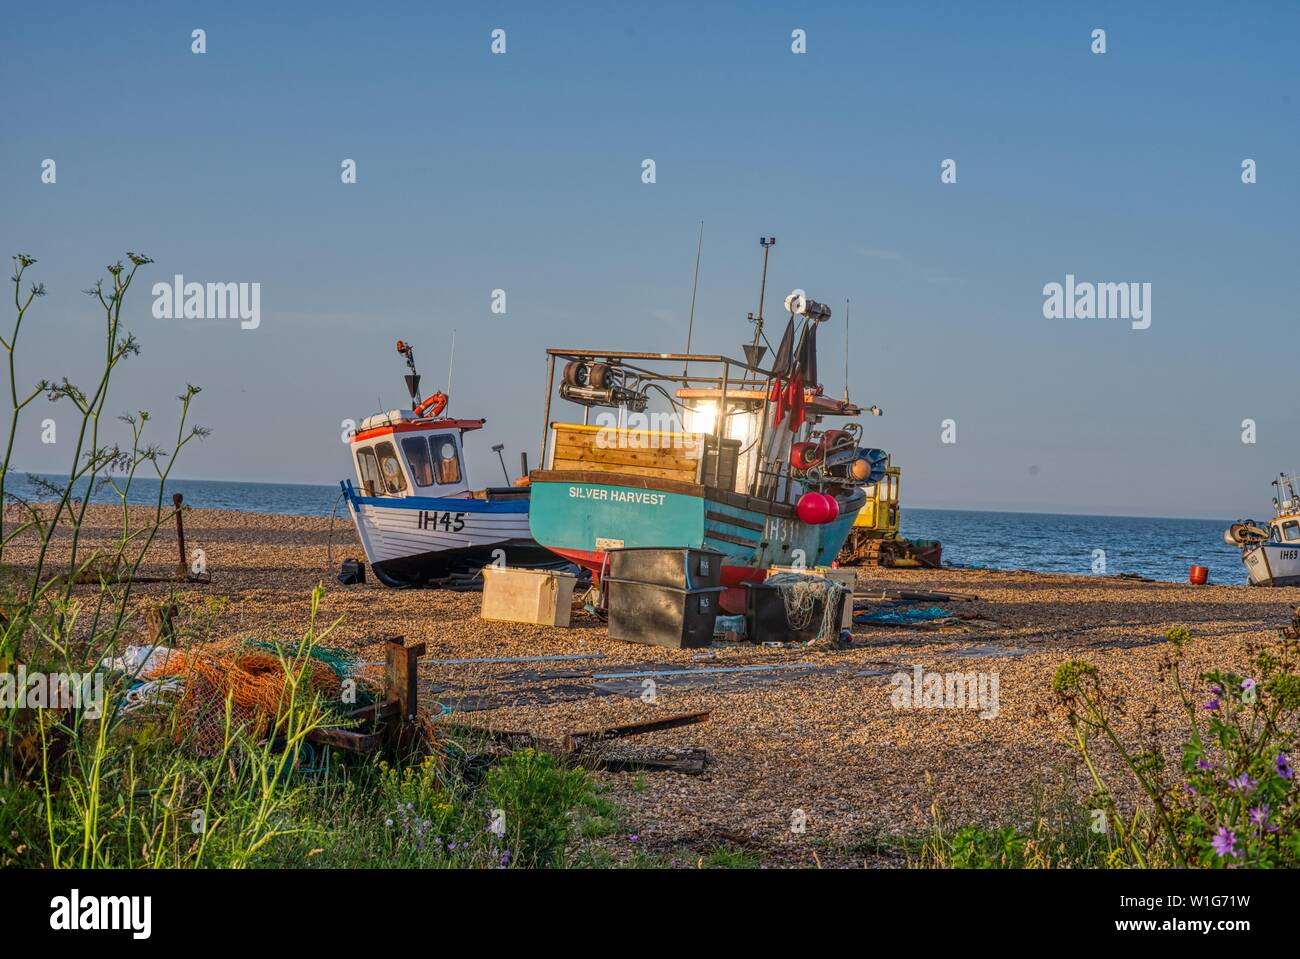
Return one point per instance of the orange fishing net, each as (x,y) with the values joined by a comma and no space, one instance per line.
(256,683)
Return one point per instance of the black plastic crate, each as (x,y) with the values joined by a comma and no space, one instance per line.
(661,615)
(766,620)
(677,567)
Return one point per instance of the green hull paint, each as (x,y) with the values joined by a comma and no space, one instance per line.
(577,515)
(596,516)
(783,542)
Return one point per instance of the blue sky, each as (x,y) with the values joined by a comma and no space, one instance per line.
(523,172)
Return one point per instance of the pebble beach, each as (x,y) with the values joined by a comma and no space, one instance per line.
(825,745)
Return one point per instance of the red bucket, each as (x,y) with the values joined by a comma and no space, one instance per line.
(1198,575)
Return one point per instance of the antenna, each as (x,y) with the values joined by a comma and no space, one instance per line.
(451,367)
(846,349)
(754,354)
(413,377)
(690,326)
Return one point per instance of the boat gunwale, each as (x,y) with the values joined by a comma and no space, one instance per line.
(635,481)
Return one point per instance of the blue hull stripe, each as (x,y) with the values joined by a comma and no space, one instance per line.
(446,504)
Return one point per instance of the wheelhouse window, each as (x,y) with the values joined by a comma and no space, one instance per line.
(390,468)
(416,449)
(368,469)
(1291,531)
(446,459)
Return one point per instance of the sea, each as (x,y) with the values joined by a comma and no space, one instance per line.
(1157,548)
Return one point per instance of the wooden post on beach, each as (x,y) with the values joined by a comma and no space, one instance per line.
(400,675)
(182,567)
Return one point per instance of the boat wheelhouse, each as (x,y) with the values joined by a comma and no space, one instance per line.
(1271,551)
(738,461)
(417,516)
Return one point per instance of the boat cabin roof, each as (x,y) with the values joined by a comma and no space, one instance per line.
(405,421)
(816,401)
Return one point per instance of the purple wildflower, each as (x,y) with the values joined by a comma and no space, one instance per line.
(1284,767)
(1242,783)
(1224,842)
(1204,764)
(1212,705)
(1259,816)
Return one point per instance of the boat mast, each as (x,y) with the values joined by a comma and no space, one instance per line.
(766,242)
(754,355)
(846,349)
(451,367)
(690,326)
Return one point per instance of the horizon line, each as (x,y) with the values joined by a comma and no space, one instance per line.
(937,509)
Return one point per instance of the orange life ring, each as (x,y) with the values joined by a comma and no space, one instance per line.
(433,405)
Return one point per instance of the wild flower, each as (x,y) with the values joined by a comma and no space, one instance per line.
(1245,817)
(1224,842)
(1259,817)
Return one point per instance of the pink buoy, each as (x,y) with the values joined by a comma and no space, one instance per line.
(833,505)
(812,509)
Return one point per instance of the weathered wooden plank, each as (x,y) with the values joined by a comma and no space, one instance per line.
(578,739)
(352,740)
(644,454)
(681,476)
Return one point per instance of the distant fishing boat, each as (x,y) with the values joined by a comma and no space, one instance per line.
(415,513)
(1271,551)
(741,463)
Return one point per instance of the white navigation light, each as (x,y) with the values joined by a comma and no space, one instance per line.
(799,304)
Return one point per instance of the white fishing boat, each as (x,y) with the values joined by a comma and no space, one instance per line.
(1271,551)
(416,514)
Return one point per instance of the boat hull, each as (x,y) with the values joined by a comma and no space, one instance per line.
(581,517)
(1272,564)
(416,540)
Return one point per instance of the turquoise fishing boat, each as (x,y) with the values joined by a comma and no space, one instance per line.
(739,458)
